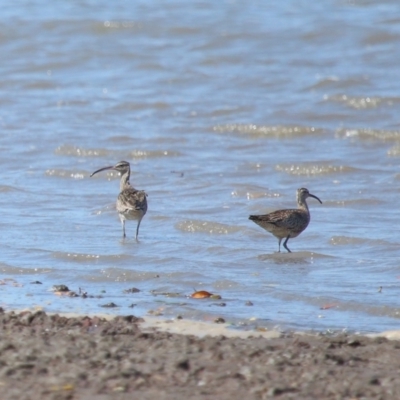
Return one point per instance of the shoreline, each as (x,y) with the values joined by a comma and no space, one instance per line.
(45,356)
(200,329)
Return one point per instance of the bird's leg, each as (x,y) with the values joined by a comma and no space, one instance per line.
(279,248)
(137,228)
(285,242)
(123,228)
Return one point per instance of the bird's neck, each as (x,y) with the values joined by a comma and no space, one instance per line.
(124,180)
(302,205)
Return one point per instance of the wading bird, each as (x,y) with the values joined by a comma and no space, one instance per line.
(131,203)
(287,223)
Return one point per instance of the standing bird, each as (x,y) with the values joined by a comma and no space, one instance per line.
(287,223)
(131,203)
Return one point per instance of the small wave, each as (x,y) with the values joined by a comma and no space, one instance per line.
(301,255)
(260,131)
(296,257)
(75,151)
(122,275)
(226,284)
(117,24)
(337,82)
(360,103)
(89,258)
(350,241)
(369,134)
(378,38)
(133,106)
(324,82)
(253,192)
(7,188)
(394,151)
(225,111)
(13,270)
(213,228)
(357,203)
(314,169)
(40,85)
(61,173)
(340,305)
(154,154)
(125,139)
(71,150)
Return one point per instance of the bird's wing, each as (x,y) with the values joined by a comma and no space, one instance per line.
(133,199)
(288,219)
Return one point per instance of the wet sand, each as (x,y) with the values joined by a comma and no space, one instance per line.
(57,357)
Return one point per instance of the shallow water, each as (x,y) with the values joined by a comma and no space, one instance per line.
(223,110)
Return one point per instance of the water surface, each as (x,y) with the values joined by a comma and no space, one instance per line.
(223,109)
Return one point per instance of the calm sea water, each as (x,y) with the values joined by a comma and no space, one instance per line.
(223,109)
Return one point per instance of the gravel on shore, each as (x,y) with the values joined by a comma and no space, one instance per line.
(56,357)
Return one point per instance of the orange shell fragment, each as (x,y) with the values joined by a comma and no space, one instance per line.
(201,294)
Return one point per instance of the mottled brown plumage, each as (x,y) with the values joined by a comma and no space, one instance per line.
(131,203)
(287,223)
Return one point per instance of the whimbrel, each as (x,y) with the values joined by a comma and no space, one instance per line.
(287,223)
(131,203)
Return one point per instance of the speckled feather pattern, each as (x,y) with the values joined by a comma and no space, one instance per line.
(132,203)
(281,223)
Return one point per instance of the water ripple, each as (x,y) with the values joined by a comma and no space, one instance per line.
(7,188)
(13,270)
(314,169)
(89,258)
(61,173)
(213,228)
(394,151)
(369,134)
(253,192)
(75,151)
(259,131)
(361,102)
(350,241)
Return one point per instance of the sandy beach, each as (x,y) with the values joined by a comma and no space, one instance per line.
(63,357)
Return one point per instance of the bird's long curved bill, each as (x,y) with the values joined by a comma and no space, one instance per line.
(311,195)
(101,169)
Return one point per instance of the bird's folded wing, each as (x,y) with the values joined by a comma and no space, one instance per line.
(132,199)
(281,218)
